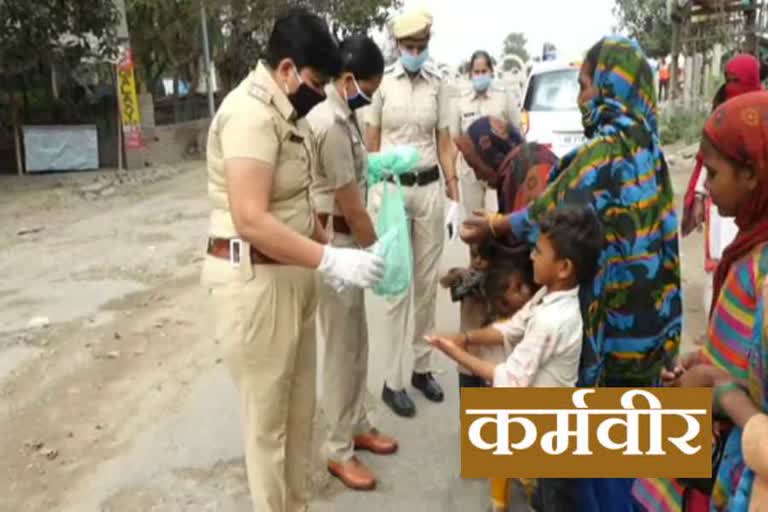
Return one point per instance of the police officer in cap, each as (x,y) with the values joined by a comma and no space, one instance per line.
(412,107)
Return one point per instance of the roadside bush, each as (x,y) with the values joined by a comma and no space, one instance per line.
(680,124)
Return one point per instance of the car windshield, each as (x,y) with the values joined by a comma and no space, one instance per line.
(553,91)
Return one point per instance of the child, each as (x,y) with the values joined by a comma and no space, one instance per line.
(543,339)
(498,283)
(508,286)
(465,285)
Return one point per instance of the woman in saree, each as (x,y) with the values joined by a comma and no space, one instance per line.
(498,155)
(632,309)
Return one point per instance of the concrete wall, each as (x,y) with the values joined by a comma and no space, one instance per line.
(173,143)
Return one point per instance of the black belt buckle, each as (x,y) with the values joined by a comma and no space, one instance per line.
(409,179)
(429,176)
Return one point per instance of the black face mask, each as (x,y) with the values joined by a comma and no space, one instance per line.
(305,98)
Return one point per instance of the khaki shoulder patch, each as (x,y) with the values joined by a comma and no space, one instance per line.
(260,93)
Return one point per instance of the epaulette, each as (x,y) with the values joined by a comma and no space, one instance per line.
(260,93)
(429,68)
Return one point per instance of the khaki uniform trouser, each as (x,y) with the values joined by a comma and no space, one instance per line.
(266,327)
(344,328)
(425,208)
(476,195)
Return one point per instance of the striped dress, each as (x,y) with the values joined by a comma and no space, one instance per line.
(730,336)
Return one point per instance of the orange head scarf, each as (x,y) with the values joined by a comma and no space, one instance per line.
(739,130)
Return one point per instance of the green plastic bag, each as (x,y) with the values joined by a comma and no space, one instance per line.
(394,161)
(394,245)
(392,226)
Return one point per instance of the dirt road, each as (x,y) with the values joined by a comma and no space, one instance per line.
(113,396)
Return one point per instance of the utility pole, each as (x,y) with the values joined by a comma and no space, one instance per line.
(122,40)
(207,55)
(129,134)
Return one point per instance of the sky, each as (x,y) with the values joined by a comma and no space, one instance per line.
(463,26)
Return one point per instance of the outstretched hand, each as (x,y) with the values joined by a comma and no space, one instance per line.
(476,229)
(447,345)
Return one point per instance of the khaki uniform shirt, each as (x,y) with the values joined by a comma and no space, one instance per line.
(409,110)
(342,158)
(496,102)
(257,121)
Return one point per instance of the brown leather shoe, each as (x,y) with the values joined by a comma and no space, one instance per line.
(353,474)
(376,442)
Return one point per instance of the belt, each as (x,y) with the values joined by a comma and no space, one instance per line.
(340,225)
(223,248)
(420,179)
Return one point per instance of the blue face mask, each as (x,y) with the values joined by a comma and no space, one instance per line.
(413,63)
(481,83)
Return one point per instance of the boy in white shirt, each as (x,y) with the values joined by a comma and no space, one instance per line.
(542,340)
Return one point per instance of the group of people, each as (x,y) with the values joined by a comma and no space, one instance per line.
(580,259)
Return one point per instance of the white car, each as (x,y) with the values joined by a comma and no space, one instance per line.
(550,111)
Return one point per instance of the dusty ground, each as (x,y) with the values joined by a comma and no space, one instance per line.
(113,397)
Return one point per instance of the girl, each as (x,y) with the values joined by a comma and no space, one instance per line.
(742,75)
(735,153)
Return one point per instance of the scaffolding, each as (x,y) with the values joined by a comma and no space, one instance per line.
(706,31)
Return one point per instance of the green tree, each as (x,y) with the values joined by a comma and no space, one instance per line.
(35,31)
(514,44)
(347,17)
(646,21)
(166,33)
(165,39)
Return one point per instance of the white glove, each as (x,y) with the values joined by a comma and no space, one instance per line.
(351,266)
(453,219)
(335,283)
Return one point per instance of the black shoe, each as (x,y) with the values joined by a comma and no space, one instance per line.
(427,384)
(399,401)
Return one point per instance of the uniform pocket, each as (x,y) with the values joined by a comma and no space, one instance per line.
(292,173)
(218,271)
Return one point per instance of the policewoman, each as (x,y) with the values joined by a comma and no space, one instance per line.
(412,107)
(485,97)
(265,249)
(339,192)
